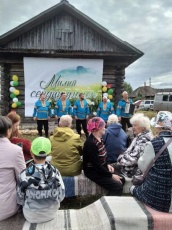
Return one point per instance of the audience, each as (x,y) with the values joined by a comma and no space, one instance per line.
(115,139)
(11,164)
(94,159)
(128,160)
(155,191)
(40,188)
(66,148)
(15,136)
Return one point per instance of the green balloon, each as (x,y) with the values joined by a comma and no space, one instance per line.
(110,91)
(112,103)
(15,83)
(19,103)
(12,95)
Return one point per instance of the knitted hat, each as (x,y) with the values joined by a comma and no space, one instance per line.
(163,119)
(41,146)
(95,124)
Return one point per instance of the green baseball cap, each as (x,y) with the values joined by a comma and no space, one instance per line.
(41,146)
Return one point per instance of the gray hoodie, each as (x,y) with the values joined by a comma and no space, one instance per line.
(40,190)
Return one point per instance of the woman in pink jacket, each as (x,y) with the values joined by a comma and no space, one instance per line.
(11,164)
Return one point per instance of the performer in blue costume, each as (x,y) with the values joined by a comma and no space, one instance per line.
(105,109)
(81,112)
(41,113)
(123,110)
(63,106)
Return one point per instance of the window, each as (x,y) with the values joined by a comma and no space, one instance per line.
(170,98)
(147,102)
(165,98)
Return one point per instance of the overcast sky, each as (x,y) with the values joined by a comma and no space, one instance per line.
(145,24)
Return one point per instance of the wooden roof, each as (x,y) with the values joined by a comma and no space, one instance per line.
(65,7)
(147,91)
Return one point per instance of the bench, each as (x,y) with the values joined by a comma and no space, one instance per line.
(81,186)
(118,213)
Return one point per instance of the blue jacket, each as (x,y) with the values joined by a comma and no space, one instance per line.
(115,140)
(59,111)
(104,114)
(120,111)
(80,112)
(42,112)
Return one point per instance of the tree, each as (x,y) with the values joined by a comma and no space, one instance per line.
(127,87)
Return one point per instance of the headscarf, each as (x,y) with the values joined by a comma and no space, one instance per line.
(163,120)
(95,124)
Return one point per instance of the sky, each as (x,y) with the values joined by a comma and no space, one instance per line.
(147,25)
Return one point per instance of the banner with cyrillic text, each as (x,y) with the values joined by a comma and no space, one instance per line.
(56,75)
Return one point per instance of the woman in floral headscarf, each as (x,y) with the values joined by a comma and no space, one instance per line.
(155,191)
(94,159)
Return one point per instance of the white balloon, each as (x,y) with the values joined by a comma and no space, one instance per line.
(12,83)
(108,100)
(15,99)
(104,83)
(105,94)
(12,89)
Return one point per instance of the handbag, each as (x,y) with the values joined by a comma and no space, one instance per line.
(139,179)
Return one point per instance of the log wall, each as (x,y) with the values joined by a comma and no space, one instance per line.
(112,74)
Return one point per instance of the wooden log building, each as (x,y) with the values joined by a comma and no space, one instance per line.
(62,32)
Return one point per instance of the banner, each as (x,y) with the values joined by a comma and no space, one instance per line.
(56,75)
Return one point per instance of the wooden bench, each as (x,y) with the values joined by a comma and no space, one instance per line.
(80,186)
(118,213)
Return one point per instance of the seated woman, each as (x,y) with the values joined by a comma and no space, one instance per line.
(115,139)
(11,164)
(15,136)
(66,148)
(94,159)
(155,191)
(128,160)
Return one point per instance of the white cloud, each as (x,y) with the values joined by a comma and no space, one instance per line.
(144,24)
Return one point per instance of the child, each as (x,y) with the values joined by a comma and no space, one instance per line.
(40,188)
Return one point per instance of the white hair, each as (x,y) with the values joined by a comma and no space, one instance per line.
(65,121)
(142,120)
(112,119)
(125,92)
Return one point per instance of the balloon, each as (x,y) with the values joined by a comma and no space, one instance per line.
(12,83)
(104,89)
(14,105)
(19,103)
(109,86)
(11,89)
(104,83)
(15,78)
(15,99)
(110,96)
(16,92)
(15,83)
(112,103)
(105,94)
(110,91)
(12,95)
(108,100)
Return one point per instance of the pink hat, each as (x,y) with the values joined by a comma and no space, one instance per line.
(95,124)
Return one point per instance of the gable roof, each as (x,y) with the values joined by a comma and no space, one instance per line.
(65,6)
(147,91)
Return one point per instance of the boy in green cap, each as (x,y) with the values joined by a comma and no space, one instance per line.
(40,188)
